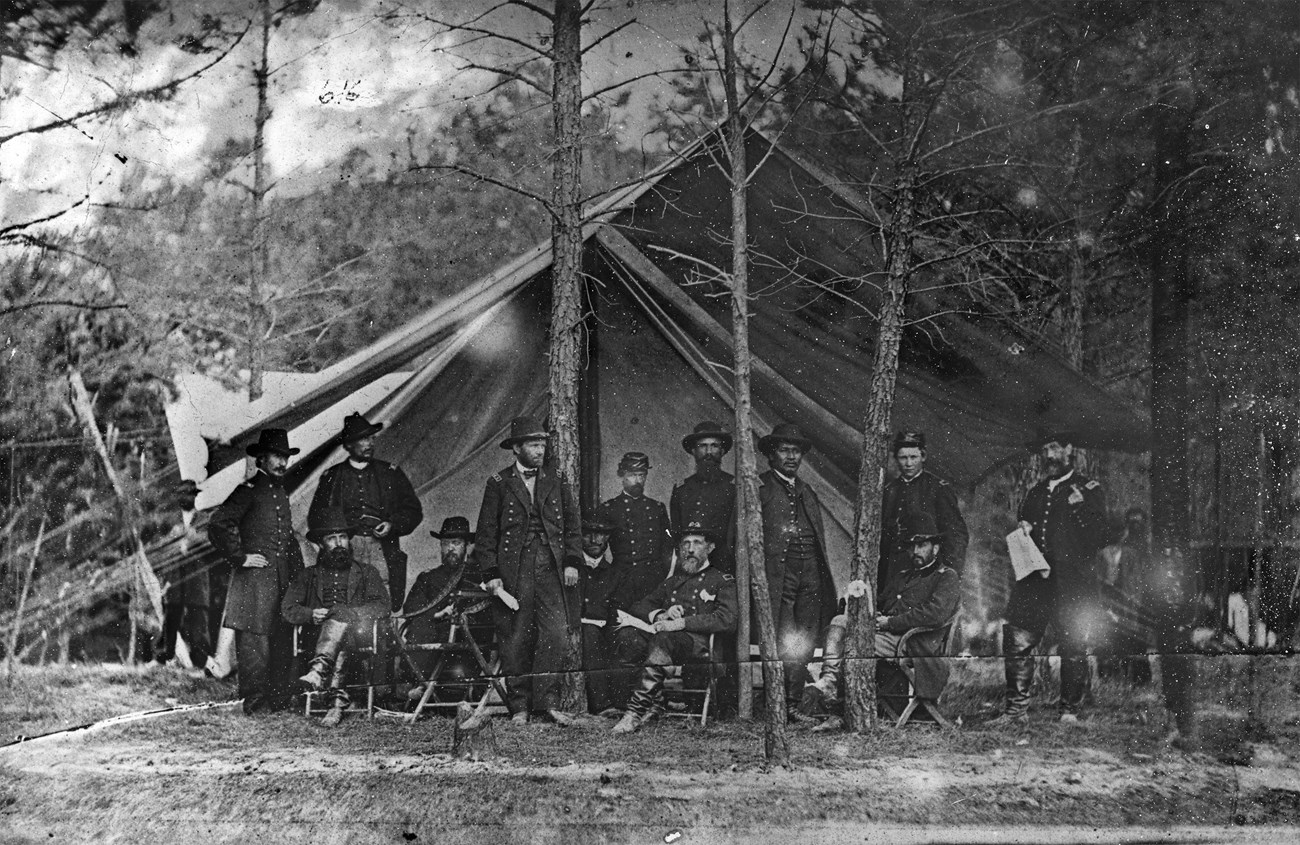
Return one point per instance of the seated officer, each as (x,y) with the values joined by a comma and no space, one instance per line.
(340,595)
(695,601)
(430,607)
(607,680)
(924,594)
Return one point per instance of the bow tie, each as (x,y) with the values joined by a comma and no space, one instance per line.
(529,473)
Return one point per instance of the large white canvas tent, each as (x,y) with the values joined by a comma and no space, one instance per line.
(658,356)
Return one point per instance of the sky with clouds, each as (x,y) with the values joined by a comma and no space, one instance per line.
(354,73)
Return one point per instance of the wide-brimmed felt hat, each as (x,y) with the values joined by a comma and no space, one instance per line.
(698,528)
(634,462)
(918,526)
(595,522)
(708,429)
(905,439)
(523,429)
(356,427)
(330,520)
(455,528)
(784,433)
(272,440)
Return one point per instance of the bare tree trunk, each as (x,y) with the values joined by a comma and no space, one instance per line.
(11,647)
(860,664)
(146,593)
(566,277)
(750,557)
(1172,289)
(259,260)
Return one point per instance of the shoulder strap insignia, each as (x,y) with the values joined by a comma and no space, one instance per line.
(497,477)
(1092,485)
(727,577)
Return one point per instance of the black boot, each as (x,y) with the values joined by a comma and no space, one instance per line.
(1017,647)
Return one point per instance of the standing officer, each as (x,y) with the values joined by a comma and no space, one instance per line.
(916,490)
(253,530)
(641,542)
(379,501)
(1065,516)
(528,542)
(708,496)
(794,554)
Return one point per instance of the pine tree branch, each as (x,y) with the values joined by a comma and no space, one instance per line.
(125,101)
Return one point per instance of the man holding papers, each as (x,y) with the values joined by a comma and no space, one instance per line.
(528,545)
(1062,526)
(672,625)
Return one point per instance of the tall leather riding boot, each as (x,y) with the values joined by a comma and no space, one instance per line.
(1075,679)
(1017,645)
(832,658)
(647,698)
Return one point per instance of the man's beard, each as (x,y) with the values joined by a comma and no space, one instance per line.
(692,564)
(708,465)
(337,558)
(453,559)
(634,490)
(1056,468)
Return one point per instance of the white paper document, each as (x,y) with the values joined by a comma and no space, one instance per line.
(626,619)
(599,623)
(1026,559)
(506,599)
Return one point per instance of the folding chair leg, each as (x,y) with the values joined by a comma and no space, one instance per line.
(428,692)
(487,670)
(908,711)
(708,700)
(938,717)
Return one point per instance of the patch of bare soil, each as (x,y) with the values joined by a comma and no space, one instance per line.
(217,776)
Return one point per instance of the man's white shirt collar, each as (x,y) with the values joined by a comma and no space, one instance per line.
(358,464)
(592,562)
(1053,484)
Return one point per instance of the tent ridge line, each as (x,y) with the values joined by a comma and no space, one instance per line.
(837,505)
(640,264)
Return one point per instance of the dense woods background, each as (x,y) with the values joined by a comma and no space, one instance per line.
(1074,153)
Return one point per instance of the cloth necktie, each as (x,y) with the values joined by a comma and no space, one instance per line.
(530,473)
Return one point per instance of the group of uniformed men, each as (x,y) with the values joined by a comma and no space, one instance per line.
(640,586)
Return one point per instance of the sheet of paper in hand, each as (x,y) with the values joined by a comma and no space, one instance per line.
(626,619)
(1026,559)
(505,597)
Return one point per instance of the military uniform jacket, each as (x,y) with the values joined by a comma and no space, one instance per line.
(367,598)
(713,503)
(1069,528)
(640,544)
(708,600)
(434,585)
(601,589)
(398,502)
(501,536)
(927,493)
(256,519)
(925,599)
(778,517)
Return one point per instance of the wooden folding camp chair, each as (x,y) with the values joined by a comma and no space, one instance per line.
(950,629)
(676,686)
(460,642)
(369,652)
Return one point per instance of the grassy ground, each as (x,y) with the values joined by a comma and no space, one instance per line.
(216,775)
